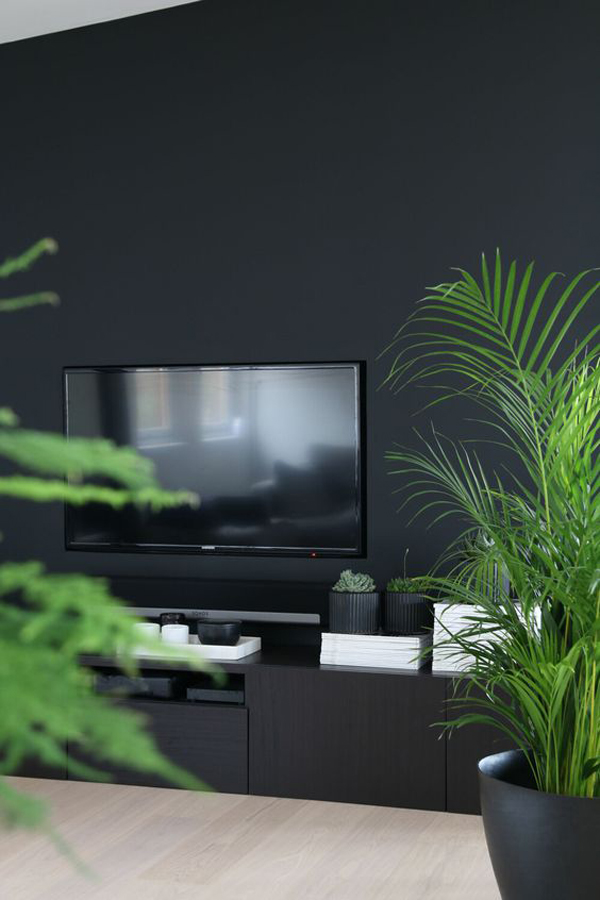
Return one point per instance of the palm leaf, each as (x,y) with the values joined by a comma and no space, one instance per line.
(536,672)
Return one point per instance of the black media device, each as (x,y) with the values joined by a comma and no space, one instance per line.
(161,687)
(275,453)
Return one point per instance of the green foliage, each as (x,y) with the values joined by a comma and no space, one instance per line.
(48,621)
(7,417)
(22,263)
(12,304)
(537,661)
(43,490)
(351,582)
(403,585)
(25,260)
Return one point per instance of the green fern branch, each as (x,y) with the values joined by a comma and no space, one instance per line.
(42,490)
(42,298)
(47,621)
(25,260)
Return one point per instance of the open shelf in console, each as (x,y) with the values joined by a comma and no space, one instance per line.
(163,685)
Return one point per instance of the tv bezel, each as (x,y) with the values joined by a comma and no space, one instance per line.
(359,367)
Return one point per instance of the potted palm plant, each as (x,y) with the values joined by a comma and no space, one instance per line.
(534,638)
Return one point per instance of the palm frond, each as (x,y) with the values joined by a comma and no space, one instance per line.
(536,669)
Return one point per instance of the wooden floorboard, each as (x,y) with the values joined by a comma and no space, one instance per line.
(160,844)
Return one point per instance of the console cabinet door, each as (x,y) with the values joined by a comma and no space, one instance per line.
(347,736)
(211,742)
(465,747)
(34,768)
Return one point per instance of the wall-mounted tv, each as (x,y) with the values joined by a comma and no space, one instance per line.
(273,451)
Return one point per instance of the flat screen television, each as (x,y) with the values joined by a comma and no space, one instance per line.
(273,451)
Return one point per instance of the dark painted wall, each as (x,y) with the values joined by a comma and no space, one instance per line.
(250,180)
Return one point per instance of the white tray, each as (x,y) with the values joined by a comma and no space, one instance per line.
(244,647)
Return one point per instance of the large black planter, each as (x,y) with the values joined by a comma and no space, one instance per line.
(406,613)
(353,613)
(542,846)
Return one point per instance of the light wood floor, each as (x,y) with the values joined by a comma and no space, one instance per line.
(151,844)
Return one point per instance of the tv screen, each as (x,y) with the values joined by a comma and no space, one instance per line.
(273,452)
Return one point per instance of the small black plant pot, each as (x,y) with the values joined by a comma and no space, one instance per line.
(354,613)
(406,613)
(542,846)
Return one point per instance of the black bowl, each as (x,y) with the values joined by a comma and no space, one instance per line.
(219,632)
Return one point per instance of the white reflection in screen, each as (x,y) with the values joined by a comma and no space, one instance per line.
(217,416)
(150,398)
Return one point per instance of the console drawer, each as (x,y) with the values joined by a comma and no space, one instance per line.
(209,741)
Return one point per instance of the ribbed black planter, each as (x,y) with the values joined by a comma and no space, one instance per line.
(406,613)
(354,613)
(542,846)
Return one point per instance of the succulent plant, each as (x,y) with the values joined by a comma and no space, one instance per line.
(351,582)
(404,585)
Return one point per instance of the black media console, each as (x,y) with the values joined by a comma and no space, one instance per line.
(285,726)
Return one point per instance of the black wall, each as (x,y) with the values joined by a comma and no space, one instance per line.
(258,180)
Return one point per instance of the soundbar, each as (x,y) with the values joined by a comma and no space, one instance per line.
(276,618)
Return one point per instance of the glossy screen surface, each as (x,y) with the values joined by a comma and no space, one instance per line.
(272,451)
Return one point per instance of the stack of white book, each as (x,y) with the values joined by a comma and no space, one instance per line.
(450,619)
(379,651)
